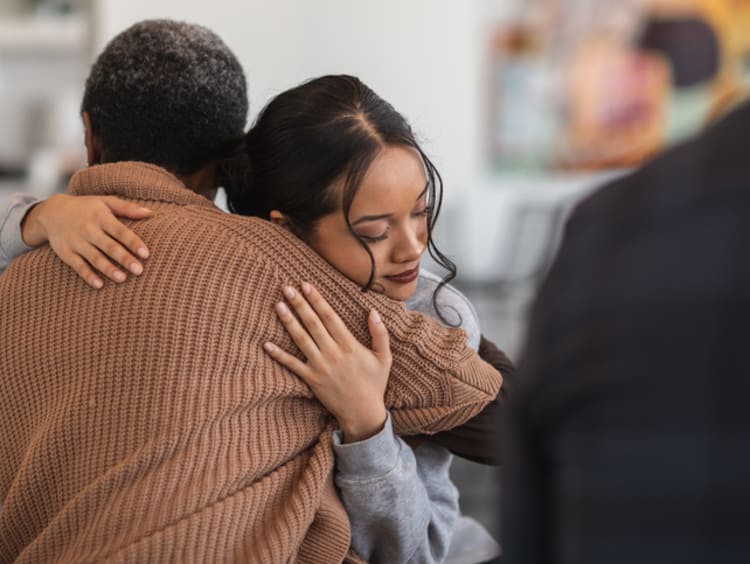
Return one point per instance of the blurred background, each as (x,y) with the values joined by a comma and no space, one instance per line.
(524,105)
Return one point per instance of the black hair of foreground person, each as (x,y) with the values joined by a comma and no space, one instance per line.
(305,139)
(186,87)
(629,429)
(309,136)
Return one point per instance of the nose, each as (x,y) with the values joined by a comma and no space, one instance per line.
(411,243)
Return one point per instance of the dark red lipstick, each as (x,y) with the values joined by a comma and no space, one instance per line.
(405,277)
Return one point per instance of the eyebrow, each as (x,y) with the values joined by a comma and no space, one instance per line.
(366,218)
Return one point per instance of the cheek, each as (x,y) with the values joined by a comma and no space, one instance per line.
(423,235)
(348,257)
(359,265)
(381,253)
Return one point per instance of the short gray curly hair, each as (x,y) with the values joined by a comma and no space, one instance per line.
(168,93)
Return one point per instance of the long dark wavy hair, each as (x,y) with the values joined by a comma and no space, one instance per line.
(308,137)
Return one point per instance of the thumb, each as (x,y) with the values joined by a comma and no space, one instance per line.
(123,208)
(381,344)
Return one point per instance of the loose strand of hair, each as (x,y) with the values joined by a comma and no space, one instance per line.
(435,196)
(354,177)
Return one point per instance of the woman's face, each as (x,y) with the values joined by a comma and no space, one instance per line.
(390,213)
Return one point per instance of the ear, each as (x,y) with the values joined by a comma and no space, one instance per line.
(93,151)
(278,218)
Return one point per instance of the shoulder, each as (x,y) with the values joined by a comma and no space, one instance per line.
(453,305)
(242,239)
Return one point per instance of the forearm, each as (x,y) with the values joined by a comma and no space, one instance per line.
(401,503)
(12,244)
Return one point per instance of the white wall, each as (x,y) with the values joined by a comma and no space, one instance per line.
(424,56)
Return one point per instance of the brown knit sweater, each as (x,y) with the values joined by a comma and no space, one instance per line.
(144,423)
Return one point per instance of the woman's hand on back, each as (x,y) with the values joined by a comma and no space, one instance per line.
(347,378)
(85,233)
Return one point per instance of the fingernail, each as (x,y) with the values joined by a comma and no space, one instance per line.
(119,276)
(136,268)
(306,288)
(375,316)
(145,210)
(282,309)
(269,347)
(96,283)
(290,293)
(142,252)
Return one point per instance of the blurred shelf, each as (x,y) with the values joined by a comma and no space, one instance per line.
(24,34)
(507,228)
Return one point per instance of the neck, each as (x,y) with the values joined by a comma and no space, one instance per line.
(202,181)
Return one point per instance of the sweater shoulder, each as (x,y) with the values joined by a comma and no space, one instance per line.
(199,231)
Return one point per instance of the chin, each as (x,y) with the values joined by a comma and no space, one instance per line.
(400,292)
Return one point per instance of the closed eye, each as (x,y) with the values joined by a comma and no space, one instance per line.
(426,211)
(374,238)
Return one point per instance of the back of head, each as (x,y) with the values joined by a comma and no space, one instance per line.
(167,93)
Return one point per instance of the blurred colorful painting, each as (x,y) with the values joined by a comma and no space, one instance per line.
(598,84)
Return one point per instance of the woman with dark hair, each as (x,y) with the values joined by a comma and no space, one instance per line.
(326,132)
(339,167)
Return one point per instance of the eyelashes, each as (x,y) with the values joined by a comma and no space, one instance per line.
(375,239)
(425,212)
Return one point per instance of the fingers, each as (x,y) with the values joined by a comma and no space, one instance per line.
(335,327)
(83,256)
(289,361)
(298,333)
(127,238)
(97,243)
(100,262)
(123,208)
(310,319)
(86,234)
(111,240)
(381,343)
(83,270)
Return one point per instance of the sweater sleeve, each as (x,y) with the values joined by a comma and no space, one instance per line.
(479,438)
(11,242)
(401,502)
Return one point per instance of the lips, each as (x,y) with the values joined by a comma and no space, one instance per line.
(406,276)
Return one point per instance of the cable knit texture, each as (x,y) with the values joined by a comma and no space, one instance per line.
(144,423)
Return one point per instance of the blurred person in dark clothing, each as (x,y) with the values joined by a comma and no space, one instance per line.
(629,429)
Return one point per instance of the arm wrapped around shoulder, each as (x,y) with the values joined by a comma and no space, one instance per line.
(479,438)
(437,382)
